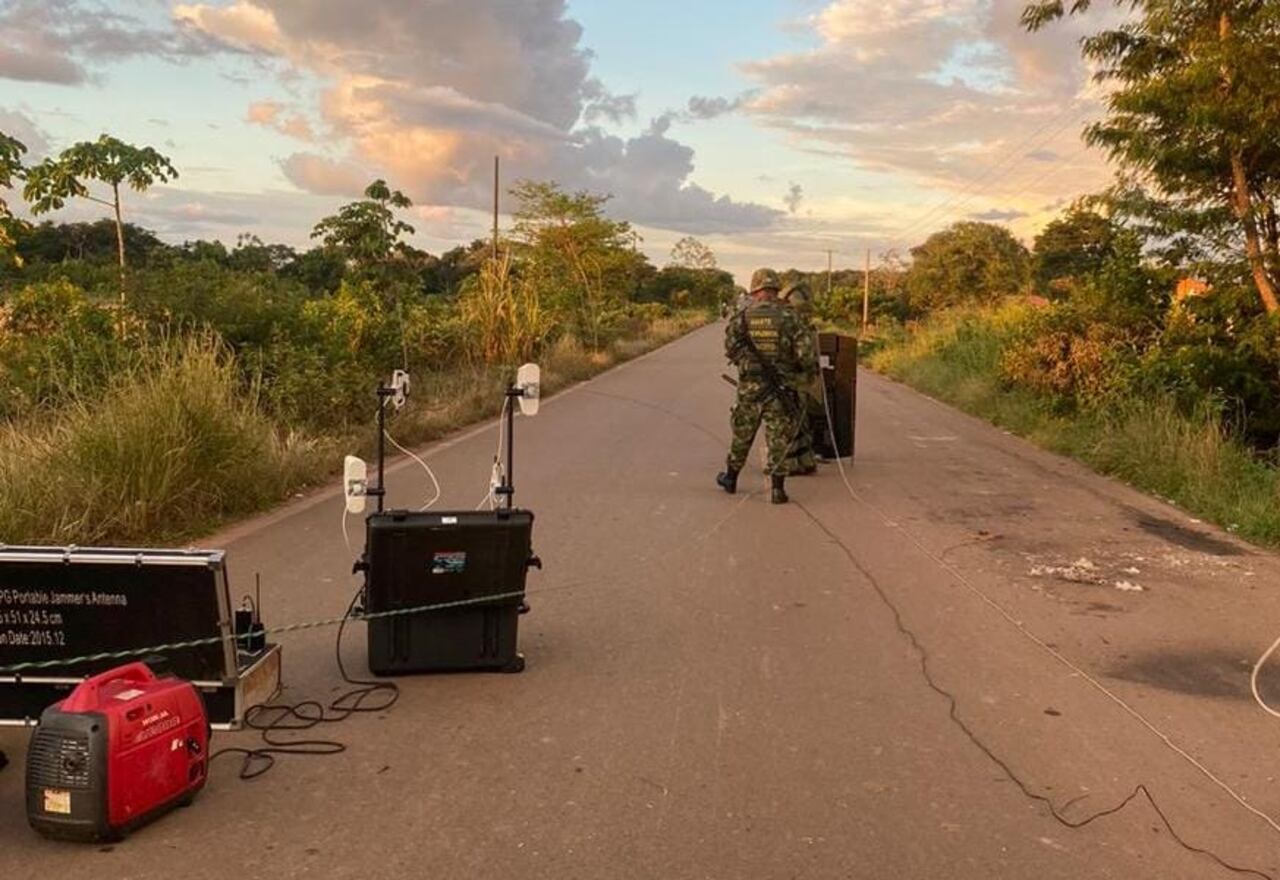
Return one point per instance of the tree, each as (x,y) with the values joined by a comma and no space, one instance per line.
(446,273)
(702,288)
(582,263)
(967,262)
(689,253)
(1195,109)
(367,233)
(11,150)
(1073,247)
(253,255)
(106,160)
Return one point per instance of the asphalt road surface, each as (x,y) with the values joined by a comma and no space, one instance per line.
(893,679)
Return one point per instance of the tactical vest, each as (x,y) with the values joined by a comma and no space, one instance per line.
(764,323)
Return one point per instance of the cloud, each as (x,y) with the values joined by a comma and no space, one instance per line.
(271,115)
(61,41)
(244,25)
(710,108)
(17,124)
(601,104)
(263,112)
(793,198)
(998,216)
(425,94)
(948,94)
(323,176)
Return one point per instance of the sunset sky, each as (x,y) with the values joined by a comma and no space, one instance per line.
(771,129)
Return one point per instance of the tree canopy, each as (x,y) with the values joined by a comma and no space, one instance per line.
(107,160)
(367,232)
(11,169)
(690,253)
(1194,111)
(577,256)
(967,262)
(1072,247)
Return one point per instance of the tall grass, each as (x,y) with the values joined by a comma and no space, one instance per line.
(173,446)
(1151,443)
(506,319)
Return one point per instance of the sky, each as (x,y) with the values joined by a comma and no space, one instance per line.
(772,130)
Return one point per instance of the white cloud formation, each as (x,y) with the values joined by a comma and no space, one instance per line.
(426,94)
(61,41)
(948,94)
(19,125)
(324,176)
(271,114)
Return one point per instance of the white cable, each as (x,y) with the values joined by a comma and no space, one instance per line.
(496,473)
(426,467)
(1253,679)
(346,538)
(890,523)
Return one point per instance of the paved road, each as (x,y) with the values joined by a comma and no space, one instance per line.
(720,688)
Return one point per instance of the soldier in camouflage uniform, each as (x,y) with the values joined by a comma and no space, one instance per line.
(761,341)
(802,460)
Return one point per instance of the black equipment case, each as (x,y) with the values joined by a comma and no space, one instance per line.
(840,378)
(414,559)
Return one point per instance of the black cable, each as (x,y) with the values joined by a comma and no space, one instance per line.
(307,715)
(1055,811)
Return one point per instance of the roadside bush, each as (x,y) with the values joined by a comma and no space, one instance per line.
(1068,357)
(244,308)
(174,445)
(55,345)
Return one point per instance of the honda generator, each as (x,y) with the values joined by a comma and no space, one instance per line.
(121,749)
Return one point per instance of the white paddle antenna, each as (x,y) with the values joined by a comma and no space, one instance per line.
(355,483)
(529,381)
(400,388)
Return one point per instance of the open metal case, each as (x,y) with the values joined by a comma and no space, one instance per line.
(62,603)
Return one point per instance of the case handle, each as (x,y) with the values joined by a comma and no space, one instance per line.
(85,697)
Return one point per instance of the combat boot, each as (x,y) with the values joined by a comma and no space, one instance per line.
(779,495)
(728,480)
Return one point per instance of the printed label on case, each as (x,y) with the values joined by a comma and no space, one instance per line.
(449,562)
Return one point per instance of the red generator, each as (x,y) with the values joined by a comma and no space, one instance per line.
(122,748)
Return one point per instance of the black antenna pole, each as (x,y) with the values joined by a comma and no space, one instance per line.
(511,455)
(508,488)
(384,394)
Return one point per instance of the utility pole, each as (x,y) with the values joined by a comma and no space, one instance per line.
(866,292)
(495,209)
(829,284)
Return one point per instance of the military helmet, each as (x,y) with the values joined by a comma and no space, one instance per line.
(765,279)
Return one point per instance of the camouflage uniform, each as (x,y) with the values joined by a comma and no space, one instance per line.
(802,458)
(775,330)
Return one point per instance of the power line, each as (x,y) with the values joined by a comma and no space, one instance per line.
(1013,157)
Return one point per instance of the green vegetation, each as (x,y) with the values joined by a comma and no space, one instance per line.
(108,161)
(1193,116)
(1141,334)
(213,381)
